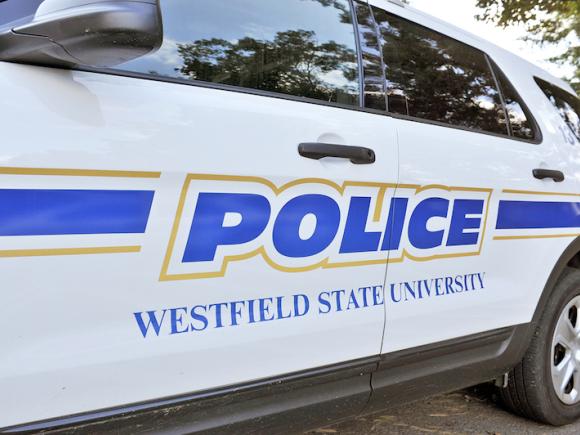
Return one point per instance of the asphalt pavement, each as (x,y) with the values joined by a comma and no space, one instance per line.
(472,411)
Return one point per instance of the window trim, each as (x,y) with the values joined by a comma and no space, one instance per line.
(542,82)
(359,54)
(501,97)
(381,56)
(279,96)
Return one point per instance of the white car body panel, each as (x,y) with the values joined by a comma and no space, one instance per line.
(71,342)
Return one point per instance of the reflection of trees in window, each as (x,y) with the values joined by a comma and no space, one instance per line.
(434,77)
(519,117)
(568,105)
(294,62)
(520,125)
(339,5)
(569,115)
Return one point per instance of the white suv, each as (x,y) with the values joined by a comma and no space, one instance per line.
(262,216)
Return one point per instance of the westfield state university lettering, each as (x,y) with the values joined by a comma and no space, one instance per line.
(311,224)
(197,318)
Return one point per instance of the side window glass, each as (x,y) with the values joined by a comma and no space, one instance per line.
(567,104)
(434,77)
(303,48)
(374,79)
(519,117)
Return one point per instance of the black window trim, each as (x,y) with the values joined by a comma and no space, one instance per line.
(383,66)
(543,82)
(501,97)
(279,96)
(257,92)
(359,54)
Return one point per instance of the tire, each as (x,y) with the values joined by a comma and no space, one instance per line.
(531,390)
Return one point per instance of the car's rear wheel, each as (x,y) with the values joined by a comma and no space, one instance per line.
(545,385)
(566,354)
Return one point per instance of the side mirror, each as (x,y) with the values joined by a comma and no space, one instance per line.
(95,33)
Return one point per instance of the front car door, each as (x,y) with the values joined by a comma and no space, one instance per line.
(163,236)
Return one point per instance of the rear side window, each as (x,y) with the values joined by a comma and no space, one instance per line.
(520,119)
(12,10)
(304,48)
(567,104)
(433,77)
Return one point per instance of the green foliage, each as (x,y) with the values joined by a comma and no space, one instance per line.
(547,21)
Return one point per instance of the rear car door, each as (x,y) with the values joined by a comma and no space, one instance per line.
(162,235)
(467,158)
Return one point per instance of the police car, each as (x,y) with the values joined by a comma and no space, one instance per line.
(260,216)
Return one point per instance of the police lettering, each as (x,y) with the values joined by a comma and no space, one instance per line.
(462,224)
(312,224)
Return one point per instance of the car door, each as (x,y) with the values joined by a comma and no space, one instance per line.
(463,263)
(162,234)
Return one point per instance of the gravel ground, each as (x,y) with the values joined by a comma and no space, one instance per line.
(465,412)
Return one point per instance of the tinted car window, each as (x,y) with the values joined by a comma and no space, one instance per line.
(434,77)
(12,10)
(304,48)
(567,104)
(519,117)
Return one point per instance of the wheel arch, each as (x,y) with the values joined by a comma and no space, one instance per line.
(569,258)
(523,338)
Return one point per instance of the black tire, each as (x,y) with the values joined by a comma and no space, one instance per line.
(530,392)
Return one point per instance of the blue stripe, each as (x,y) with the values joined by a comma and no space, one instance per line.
(25,212)
(529,214)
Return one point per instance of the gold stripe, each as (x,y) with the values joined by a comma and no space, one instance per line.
(78,172)
(448,188)
(531,192)
(436,256)
(540,236)
(68,251)
(277,190)
(485,222)
(380,202)
(174,230)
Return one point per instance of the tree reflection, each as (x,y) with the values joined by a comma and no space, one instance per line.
(293,62)
(339,5)
(438,78)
